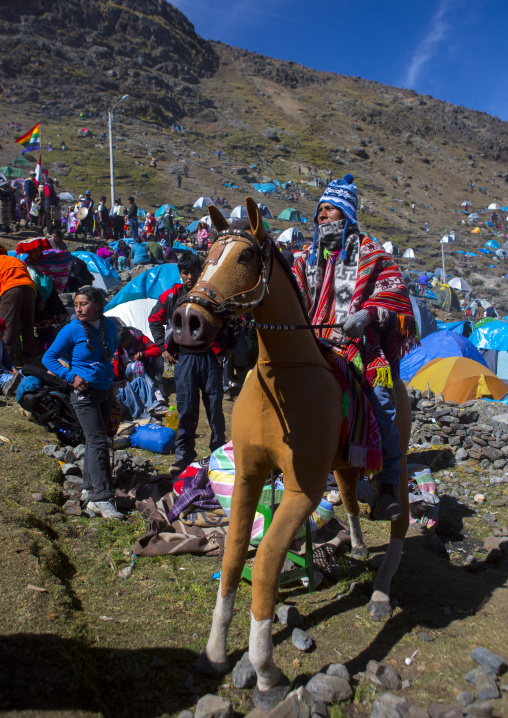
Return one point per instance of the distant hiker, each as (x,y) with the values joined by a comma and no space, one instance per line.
(299,169)
(186,170)
(50,203)
(118,221)
(218,154)
(309,172)
(179,180)
(63,146)
(427,227)
(153,162)
(103,217)
(132,216)
(479,313)
(87,223)
(371,210)
(362,208)
(50,147)
(423,281)
(169,227)
(413,207)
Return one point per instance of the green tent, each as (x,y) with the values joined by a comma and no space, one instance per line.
(12,172)
(267,226)
(485,320)
(20,162)
(290,215)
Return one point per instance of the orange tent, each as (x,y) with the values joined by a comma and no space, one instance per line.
(459,379)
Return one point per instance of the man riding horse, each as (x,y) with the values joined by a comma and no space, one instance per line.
(350,280)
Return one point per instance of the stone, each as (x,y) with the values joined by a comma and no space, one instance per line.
(73,508)
(71,470)
(244,674)
(338,669)
(475,454)
(289,616)
(79,451)
(210,706)
(69,456)
(486,687)
(464,698)
(141,462)
(445,710)
(186,714)
(492,454)
(424,636)
(479,498)
(479,709)
(59,455)
(329,689)
(301,640)
(390,706)
(50,449)
(383,675)
(38,497)
(496,543)
(500,420)
(461,455)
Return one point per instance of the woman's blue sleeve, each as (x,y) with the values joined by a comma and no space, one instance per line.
(62,345)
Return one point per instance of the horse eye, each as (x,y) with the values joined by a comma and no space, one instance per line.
(246,255)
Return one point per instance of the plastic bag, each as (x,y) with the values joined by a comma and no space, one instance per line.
(159,439)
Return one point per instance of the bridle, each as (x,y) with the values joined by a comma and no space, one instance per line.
(206,295)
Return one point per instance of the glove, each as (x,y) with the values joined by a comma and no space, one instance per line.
(355,324)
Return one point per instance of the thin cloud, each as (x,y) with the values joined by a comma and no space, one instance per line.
(429,46)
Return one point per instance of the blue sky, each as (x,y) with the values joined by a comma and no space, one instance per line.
(454,50)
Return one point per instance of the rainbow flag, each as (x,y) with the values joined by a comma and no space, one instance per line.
(32,139)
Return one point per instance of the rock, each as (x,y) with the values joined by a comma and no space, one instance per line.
(244,674)
(289,616)
(69,456)
(71,470)
(73,508)
(141,462)
(339,670)
(461,455)
(479,498)
(210,706)
(496,543)
(405,684)
(465,698)
(500,420)
(186,714)
(492,454)
(50,449)
(390,706)
(59,455)
(79,451)
(38,497)
(471,675)
(424,636)
(445,710)
(297,704)
(383,675)
(479,709)
(301,640)
(329,689)
(486,687)
(271,133)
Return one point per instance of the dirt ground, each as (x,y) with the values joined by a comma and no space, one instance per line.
(92,644)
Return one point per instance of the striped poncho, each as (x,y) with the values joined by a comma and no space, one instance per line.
(55,263)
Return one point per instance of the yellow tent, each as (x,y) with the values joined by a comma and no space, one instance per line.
(475,231)
(459,379)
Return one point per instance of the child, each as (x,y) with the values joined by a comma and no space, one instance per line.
(9,375)
(145,359)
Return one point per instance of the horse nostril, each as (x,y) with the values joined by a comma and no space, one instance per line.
(194,326)
(177,323)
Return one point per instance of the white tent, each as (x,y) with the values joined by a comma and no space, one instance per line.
(472,216)
(291,234)
(239,212)
(202,202)
(134,314)
(66,197)
(460,284)
(502,253)
(206,220)
(466,203)
(264,211)
(494,205)
(390,248)
(409,253)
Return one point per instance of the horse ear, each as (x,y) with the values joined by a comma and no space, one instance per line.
(218,221)
(256,221)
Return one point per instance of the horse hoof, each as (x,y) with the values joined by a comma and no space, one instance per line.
(267,700)
(210,668)
(360,552)
(378,610)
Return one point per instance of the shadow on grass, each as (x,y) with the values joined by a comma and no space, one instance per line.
(45,672)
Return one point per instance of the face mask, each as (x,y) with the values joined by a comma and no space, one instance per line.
(330,235)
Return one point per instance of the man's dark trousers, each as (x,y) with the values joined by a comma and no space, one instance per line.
(194,373)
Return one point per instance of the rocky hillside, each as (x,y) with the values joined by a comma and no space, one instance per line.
(270,119)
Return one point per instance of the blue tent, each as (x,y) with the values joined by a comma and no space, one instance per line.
(179,247)
(492,244)
(162,209)
(438,346)
(465,328)
(424,318)
(267,188)
(134,303)
(485,250)
(491,340)
(192,226)
(105,275)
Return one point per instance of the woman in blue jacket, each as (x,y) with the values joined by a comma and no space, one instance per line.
(88,343)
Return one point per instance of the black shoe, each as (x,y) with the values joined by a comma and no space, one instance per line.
(179,466)
(388,506)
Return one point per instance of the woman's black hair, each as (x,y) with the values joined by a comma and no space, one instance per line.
(124,335)
(121,243)
(96,296)
(187,261)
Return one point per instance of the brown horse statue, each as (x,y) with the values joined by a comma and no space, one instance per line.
(288,417)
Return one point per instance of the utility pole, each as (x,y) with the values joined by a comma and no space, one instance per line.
(111,162)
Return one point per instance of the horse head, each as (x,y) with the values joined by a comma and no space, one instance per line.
(234,280)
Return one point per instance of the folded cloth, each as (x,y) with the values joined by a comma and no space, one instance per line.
(193,516)
(196,491)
